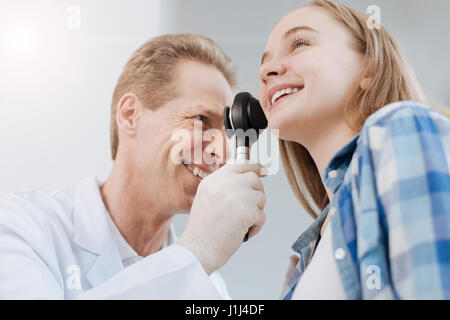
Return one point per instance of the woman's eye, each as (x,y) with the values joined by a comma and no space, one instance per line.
(300,43)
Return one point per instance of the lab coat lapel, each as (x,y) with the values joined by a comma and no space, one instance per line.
(92,232)
(107,264)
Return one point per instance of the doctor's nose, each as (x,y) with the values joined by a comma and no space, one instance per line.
(216,152)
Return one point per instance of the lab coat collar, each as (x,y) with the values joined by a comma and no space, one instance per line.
(92,232)
(91,228)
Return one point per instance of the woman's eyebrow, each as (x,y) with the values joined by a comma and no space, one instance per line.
(287,34)
(295,29)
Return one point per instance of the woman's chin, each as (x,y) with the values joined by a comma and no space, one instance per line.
(282,128)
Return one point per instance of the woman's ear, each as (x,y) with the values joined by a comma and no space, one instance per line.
(365,83)
(128,112)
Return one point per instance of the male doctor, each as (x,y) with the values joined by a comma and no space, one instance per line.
(114,240)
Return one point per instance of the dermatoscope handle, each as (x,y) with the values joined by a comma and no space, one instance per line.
(242,153)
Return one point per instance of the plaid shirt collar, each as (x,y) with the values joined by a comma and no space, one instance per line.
(339,164)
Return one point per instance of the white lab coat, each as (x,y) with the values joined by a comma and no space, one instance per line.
(59,245)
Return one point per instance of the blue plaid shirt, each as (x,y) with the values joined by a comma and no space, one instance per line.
(390,212)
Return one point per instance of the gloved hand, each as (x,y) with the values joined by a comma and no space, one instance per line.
(228,204)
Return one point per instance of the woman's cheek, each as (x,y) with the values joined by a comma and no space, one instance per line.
(263,99)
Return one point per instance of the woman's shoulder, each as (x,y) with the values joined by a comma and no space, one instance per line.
(404,121)
(403,141)
(404,111)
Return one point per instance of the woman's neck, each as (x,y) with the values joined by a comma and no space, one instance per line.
(324,146)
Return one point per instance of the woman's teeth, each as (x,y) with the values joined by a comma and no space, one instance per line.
(196,171)
(283,92)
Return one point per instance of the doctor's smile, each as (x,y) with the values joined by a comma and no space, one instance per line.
(197,171)
(176,201)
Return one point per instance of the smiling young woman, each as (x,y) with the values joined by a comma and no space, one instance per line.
(360,141)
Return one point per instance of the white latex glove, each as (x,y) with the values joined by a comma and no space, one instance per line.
(228,204)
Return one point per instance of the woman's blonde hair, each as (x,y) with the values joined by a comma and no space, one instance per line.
(390,79)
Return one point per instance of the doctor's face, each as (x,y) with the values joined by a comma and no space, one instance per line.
(181,142)
(310,65)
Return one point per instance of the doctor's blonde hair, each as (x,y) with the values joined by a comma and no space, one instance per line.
(391,80)
(150,72)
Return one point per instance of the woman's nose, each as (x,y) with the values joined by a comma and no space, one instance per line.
(271,69)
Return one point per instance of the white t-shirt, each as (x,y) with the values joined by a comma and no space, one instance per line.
(321,279)
(127,253)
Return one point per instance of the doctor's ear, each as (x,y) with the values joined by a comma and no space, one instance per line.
(128,111)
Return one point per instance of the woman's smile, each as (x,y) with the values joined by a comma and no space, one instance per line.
(283,95)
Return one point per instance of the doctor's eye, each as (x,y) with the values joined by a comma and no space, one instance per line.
(201,118)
